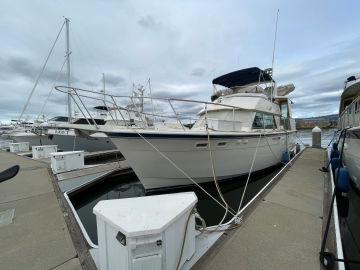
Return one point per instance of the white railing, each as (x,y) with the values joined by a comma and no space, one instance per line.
(350,117)
(155,109)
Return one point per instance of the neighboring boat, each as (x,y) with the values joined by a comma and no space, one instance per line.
(244,117)
(57,131)
(349,118)
(34,134)
(5,130)
(69,137)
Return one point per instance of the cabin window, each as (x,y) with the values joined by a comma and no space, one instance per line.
(201,145)
(59,119)
(258,121)
(357,106)
(284,110)
(86,121)
(269,121)
(221,144)
(284,120)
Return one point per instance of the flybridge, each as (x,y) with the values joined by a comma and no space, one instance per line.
(246,80)
(244,77)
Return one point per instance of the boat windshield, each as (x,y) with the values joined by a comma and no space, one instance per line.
(59,119)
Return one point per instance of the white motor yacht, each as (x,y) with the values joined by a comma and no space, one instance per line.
(349,119)
(251,116)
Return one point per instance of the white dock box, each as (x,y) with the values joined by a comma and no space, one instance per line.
(67,161)
(4,144)
(19,147)
(145,232)
(43,151)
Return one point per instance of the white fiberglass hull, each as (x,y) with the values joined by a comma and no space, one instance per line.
(232,155)
(352,154)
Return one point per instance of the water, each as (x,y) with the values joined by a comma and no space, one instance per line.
(305,137)
(124,186)
(128,185)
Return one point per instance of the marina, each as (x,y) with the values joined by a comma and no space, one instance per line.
(138,135)
(284,196)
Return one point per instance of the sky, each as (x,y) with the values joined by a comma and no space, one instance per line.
(180,45)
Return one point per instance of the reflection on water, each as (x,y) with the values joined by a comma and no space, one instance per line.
(125,186)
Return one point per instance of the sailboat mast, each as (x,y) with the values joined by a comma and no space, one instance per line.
(68,70)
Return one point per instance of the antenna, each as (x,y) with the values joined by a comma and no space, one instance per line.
(274,47)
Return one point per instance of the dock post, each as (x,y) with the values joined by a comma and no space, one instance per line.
(316,137)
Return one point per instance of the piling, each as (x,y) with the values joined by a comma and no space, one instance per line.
(316,137)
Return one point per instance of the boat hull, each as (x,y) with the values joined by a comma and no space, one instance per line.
(232,156)
(67,141)
(31,138)
(70,142)
(352,154)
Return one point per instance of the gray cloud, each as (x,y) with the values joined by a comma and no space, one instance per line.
(198,72)
(320,80)
(172,94)
(114,80)
(180,51)
(91,83)
(24,67)
(150,23)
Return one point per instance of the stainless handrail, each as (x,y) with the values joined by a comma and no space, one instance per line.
(82,103)
(58,88)
(176,115)
(142,115)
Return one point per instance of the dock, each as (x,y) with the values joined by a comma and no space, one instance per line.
(33,226)
(280,229)
(283,230)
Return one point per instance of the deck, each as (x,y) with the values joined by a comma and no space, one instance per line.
(38,236)
(284,230)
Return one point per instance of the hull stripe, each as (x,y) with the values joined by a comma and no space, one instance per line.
(191,136)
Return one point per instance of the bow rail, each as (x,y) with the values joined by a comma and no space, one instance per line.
(145,112)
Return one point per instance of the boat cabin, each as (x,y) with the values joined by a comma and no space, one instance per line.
(349,111)
(250,101)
